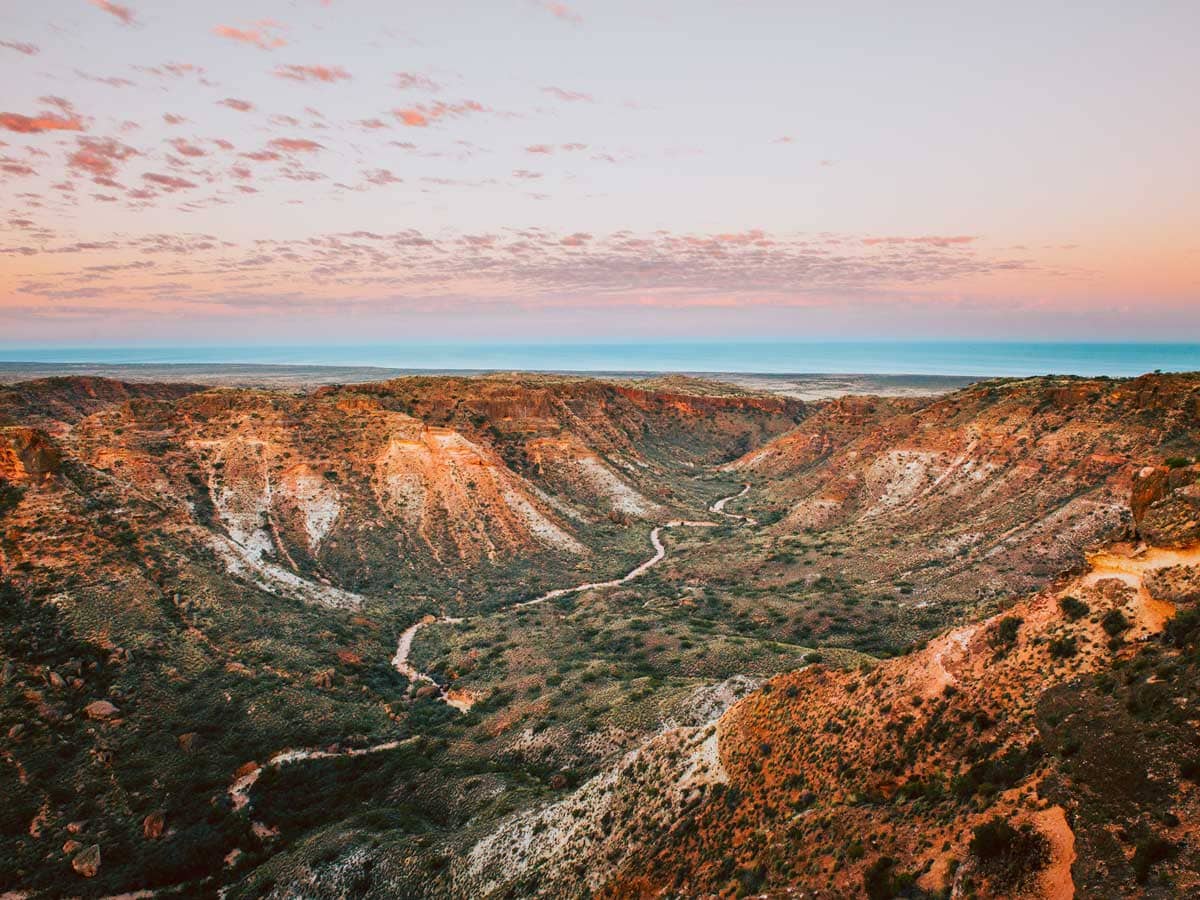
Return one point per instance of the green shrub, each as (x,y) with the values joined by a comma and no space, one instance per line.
(1073,608)
(1148,851)
(1009,855)
(1064,647)
(1006,632)
(882,881)
(1114,622)
(1184,630)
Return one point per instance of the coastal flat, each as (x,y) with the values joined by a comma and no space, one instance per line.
(299,377)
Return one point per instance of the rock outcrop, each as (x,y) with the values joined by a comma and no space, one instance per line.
(87,861)
(1173,521)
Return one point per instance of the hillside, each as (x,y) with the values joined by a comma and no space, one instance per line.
(1045,751)
(556,636)
(914,514)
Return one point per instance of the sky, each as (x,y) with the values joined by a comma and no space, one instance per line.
(370,170)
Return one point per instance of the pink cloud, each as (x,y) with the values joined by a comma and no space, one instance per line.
(168,183)
(295,145)
(568,96)
(124,13)
(526,175)
(177,70)
(99,157)
(259,36)
(422,115)
(66,119)
(373,124)
(382,177)
(414,118)
(928,240)
(239,105)
(172,119)
(327,74)
(108,80)
(27,49)
(184,148)
(15,167)
(539,148)
(410,81)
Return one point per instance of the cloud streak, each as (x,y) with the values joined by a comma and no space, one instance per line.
(326,74)
(20,47)
(568,96)
(65,119)
(422,115)
(259,36)
(123,14)
(530,267)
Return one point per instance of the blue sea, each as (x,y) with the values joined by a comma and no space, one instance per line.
(757,357)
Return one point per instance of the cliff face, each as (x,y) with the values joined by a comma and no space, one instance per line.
(993,488)
(58,403)
(27,455)
(355,486)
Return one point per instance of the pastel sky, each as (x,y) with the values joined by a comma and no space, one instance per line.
(374,170)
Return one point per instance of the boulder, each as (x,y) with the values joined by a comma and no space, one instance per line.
(152,826)
(1173,521)
(27,454)
(71,846)
(188,742)
(1149,486)
(87,861)
(1176,584)
(245,769)
(100,709)
(428,690)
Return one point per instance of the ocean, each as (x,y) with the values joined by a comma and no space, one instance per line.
(979,358)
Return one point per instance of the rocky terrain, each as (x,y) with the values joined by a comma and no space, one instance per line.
(283,644)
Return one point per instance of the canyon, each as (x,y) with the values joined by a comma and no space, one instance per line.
(537,635)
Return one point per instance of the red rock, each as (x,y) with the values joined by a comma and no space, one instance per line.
(87,863)
(152,825)
(245,769)
(100,709)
